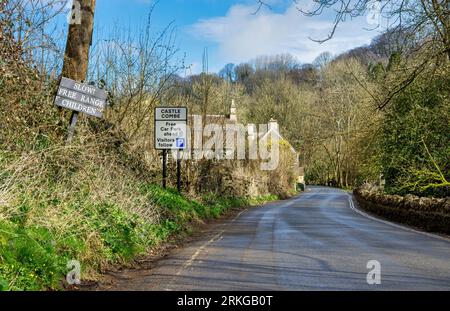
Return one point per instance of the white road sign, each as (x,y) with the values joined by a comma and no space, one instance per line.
(81,97)
(170,128)
(171,113)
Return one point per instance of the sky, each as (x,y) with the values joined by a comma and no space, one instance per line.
(233,33)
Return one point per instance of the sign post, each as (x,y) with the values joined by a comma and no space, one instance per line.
(164,172)
(178,171)
(72,125)
(171,134)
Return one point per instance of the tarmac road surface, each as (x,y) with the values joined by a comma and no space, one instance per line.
(315,241)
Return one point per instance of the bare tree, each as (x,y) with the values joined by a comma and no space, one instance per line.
(322,60)
(137,70)
(425,22)
(228,72)
(31,26)
(418,15)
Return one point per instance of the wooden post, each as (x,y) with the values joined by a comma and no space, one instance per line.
(178,172)
(79,40)
(164,172)
(73,123)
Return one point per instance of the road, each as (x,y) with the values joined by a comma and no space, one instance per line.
(315,241)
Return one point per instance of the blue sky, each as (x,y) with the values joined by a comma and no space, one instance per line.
(232,33)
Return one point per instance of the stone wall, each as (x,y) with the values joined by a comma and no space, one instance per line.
(430,214)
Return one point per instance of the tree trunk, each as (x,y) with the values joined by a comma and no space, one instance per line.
(78,43)
(76,56)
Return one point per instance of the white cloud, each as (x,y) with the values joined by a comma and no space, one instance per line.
(242,35)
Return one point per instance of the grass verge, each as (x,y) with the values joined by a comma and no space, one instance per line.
(34,256)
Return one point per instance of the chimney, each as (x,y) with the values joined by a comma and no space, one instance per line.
(273,125)
(233,111)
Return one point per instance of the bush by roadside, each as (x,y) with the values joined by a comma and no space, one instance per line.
(94,201)
(34,255)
